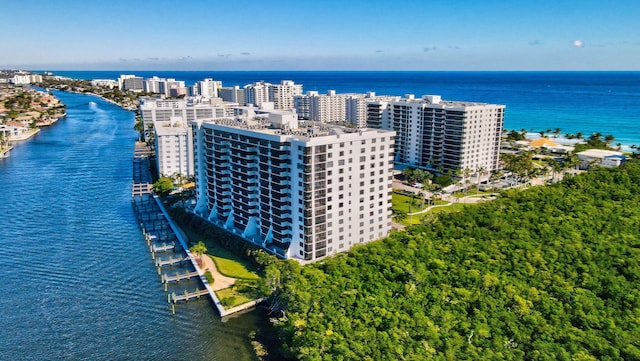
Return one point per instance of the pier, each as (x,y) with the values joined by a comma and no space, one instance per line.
(179,277)
(163,248)
(171,261)
(186,296)
(163,237)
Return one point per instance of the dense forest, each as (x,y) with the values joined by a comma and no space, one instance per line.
(550,273)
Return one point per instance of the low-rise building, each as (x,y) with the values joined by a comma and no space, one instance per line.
(603,157)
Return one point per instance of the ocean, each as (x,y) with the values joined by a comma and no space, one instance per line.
(576,101)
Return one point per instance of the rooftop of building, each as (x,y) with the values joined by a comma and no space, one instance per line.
(173,127)
(599,153)
(437,100)
(302,130)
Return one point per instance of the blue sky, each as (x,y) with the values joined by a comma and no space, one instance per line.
(320,35)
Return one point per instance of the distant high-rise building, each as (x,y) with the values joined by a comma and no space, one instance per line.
(282,94)
(349,108)
(439,134)
(298,190)
(208,88)
(233,94)
(130,82)
(257,93)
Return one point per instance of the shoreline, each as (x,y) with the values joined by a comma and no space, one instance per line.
(563,140)
(36,124)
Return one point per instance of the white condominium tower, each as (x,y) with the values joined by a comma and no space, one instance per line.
(442,135)
(174,148)
(282,94)
(298,190)
(207,88)
(348,108)
(257,93)
(154,109)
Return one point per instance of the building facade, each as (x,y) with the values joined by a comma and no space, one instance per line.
(282,94)
(257,93)
(441,135)
(174,148)
(233,94)
(299,191)
(155,109)
(349,108)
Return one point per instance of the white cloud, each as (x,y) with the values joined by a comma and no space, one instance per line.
(578,43)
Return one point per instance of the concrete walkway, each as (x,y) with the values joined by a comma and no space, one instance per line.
(471,199)
(220,281)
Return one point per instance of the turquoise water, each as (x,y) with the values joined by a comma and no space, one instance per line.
(587,102)
(77,281)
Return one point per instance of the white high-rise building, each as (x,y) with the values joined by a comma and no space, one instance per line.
(131,82)
(174,148)
(122,78)
(348,108)
(356,107)
(300,191)
(233,94)
(282,94)
(208,88)
(302,105)
(439,134)
(328,108)
(154,110)
(257,93)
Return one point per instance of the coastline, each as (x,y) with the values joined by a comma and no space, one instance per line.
(29,118)
(535,100)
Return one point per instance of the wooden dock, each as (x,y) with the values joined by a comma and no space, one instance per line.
(179,277)
(186,296)
(171,261)
(138,189)
(163,248)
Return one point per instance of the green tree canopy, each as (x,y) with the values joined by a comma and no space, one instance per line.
(163,186)
(549,273)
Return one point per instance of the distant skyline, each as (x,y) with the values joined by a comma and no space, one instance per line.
(321,35)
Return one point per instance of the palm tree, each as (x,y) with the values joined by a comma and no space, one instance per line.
(198,250)
(482,171)
(570,161)
(408,174)
(609,138)
(556,167)
(426,187)
(398,215)
(466,174)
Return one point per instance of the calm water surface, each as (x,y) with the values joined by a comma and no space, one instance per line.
(77,281)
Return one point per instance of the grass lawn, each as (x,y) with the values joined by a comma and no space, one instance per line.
(401,202)
(229,265)
(229,297)
(226,261)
